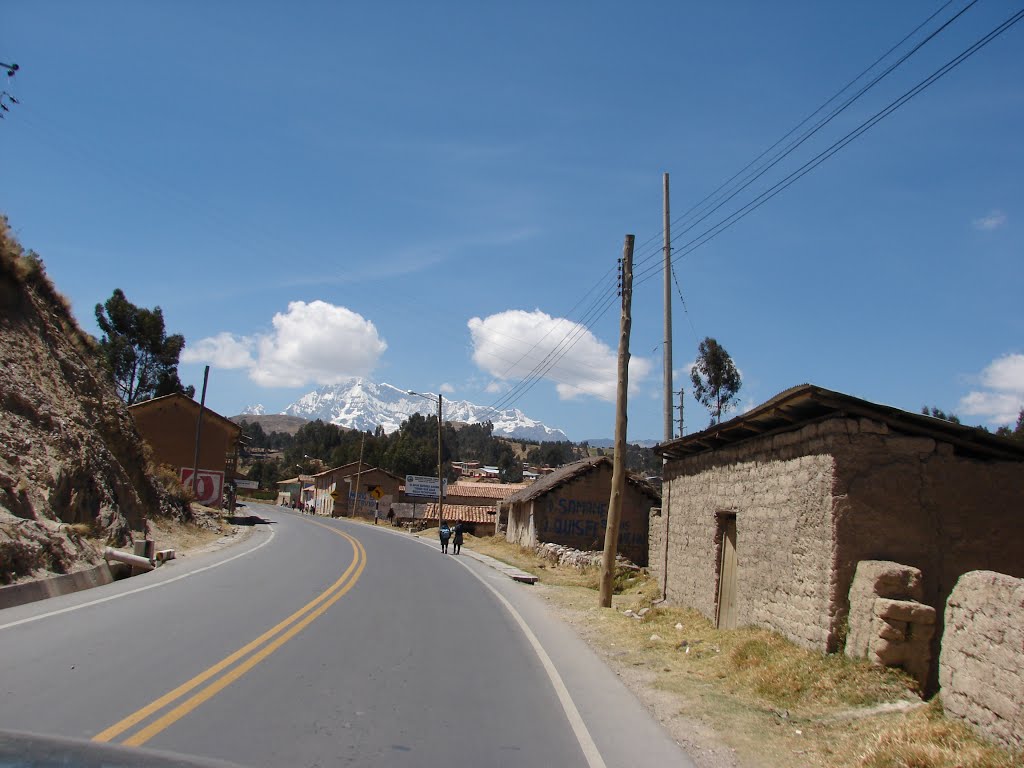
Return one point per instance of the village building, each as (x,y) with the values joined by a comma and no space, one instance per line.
(475,504)
(295,491)
(169,425)
(335,493)
(569,506)
(767,516)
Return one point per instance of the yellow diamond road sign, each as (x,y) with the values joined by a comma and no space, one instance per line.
(377,493)
(335,495)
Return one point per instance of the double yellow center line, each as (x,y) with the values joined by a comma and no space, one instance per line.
(239,662)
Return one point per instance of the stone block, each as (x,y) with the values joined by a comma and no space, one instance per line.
(904,610)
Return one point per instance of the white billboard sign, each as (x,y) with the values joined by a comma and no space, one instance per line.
(421,485)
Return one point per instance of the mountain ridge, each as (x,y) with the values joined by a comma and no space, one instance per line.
(363,404)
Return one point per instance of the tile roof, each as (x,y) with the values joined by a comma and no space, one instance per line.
(462,512)
(485,490)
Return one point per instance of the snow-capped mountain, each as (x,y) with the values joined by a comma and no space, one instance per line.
(254,410)
(363,404)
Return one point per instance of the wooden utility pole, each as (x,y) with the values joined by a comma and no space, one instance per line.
(199,431)
(611,533)
(359,474)
(667,353)
(440,486)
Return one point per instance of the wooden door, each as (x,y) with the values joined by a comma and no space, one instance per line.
(727,574)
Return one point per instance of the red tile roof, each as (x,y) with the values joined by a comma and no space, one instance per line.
(464,512)
(485,490)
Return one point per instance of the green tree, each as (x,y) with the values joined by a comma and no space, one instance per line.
(142,358)
(1017,433)
(940,414)
(715,379)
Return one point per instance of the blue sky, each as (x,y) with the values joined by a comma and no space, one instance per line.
(426,194)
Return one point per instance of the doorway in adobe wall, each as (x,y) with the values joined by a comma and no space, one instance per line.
(725,610)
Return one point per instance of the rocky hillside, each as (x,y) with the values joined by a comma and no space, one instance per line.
(71,461)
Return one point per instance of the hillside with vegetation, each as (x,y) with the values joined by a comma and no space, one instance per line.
(73,469)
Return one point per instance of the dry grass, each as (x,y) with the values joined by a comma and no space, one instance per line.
(772,702)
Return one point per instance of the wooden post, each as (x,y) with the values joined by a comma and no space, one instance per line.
(199,430)
(440,473)
(611,534)
(667,353)
(354,512)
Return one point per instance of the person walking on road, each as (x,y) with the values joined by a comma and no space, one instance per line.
(459,530)
(444,533)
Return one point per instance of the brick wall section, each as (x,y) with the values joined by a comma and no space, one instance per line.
(781,496)
(982,665)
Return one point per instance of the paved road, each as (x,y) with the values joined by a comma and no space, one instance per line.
(322,643)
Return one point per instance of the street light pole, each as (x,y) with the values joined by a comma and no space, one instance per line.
(440,472)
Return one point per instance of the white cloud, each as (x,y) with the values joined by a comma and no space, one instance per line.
(222,351)
(1001,404)
(994,220)
(447,388)
(315,342)
(511,344)
(495,387)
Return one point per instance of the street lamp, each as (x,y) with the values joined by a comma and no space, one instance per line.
(440,486)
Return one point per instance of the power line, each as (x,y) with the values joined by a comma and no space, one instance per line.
(865,126)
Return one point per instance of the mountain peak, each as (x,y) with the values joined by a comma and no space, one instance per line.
(363,404)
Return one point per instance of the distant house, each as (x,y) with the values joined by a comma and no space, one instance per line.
(766,516)
(336,493)
(169,424)
(570,506)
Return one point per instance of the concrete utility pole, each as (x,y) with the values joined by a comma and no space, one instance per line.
(611,534)
(199,430)
(682,393)
(667,353)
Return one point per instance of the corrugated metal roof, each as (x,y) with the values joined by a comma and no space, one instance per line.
(795,407)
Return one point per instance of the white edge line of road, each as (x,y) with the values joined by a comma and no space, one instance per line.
(138,589)
(579,728)
(572,714)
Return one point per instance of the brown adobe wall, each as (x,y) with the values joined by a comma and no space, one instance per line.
(982,666)
(780,492)
(575,514)
(913,501)
(169,427)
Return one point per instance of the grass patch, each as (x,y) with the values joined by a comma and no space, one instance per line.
(928,739)
(773,702)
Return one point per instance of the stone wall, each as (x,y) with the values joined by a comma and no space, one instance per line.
(780,492)
(656,544)
(981,670)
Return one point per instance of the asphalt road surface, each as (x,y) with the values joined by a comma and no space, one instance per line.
(322,642)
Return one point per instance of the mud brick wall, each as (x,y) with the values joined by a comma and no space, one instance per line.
(913,501)
(981,670)
(780,490)
(575,514)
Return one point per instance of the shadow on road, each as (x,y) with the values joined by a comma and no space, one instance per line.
(248,520)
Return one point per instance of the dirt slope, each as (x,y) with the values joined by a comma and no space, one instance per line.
(69,451)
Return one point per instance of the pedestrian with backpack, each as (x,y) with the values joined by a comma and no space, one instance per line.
(444,533)
(459,530)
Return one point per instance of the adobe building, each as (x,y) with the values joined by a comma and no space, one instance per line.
(169,423)
(768,514)
(334,493)
(570,507)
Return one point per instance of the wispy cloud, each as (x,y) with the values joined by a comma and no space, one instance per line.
(315,342)
(994,220)
(1002,396)
(447,388)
